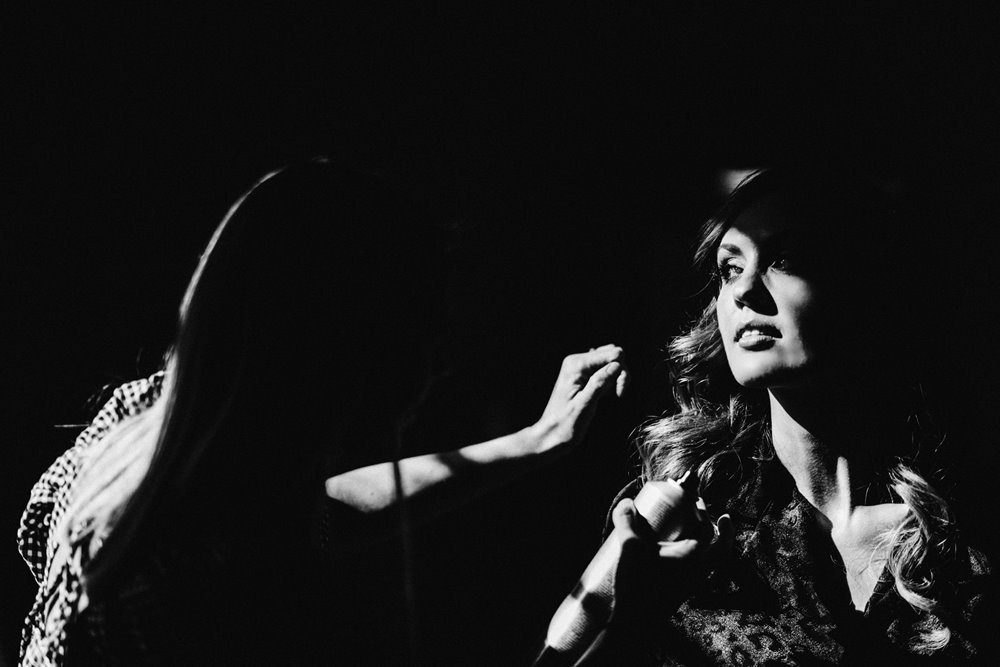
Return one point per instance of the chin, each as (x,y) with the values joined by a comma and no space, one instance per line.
(753,381)
(767,376)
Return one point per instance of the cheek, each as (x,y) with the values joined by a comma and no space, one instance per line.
(724,318)
(805,317)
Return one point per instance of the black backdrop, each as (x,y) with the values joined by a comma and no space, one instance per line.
(574,150)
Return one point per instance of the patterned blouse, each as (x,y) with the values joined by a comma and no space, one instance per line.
(43,639)
(273,598)
(783,599)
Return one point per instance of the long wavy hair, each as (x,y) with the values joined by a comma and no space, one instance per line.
(302,333)
(722,429)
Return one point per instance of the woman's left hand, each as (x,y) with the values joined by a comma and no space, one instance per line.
(583,379)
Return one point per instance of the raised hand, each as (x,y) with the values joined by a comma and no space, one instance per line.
(583,379)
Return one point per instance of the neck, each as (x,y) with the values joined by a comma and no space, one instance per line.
(826,445)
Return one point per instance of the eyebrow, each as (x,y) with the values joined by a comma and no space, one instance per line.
(780,237)
(731,248)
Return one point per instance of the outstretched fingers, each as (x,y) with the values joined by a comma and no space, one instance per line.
(602,381)
(587,362)
(583,379)
(622,384)
(598,371)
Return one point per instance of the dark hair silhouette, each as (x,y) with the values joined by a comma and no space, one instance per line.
(303,331)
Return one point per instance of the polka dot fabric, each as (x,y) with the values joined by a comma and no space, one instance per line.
(43,640)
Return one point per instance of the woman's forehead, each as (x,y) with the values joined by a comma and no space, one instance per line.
(772,218)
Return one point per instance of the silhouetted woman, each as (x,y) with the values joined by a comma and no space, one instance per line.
(190,523)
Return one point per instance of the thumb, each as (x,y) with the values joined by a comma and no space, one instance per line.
(623,518)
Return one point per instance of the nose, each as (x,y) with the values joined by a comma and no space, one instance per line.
(749,291)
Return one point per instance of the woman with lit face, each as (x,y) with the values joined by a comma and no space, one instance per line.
(822,538)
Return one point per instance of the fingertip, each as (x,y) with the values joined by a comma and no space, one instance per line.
(611,351)
(603,377)
(622,384)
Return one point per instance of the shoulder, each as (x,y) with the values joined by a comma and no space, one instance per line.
(126,400)
(49,494)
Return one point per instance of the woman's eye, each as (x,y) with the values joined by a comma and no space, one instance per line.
(782,263)
(728,272)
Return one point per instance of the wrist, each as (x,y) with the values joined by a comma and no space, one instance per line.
(543,438)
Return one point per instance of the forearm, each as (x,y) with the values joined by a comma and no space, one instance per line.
(432,483)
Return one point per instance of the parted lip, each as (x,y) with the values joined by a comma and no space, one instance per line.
(754,325)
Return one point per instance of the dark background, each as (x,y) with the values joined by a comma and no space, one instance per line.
(573,150)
